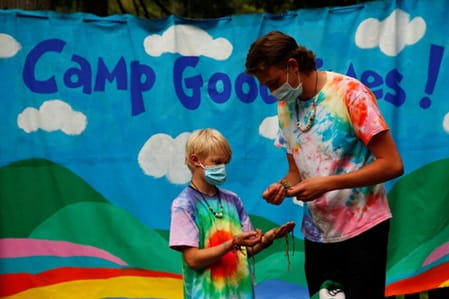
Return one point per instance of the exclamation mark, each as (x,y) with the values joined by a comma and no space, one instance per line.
(436,55)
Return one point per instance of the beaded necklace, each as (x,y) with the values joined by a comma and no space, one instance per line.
(218,214)
(309,124)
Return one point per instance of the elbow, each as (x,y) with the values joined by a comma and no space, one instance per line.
(192,258)
(397,169)
(401,170)
(193,265)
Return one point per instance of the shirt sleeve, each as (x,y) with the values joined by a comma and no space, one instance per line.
(281,142)
(183,228)
(365,115)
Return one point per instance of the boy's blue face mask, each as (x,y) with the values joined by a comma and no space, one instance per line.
(215,174)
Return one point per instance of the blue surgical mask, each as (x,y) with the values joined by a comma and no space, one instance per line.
(215,174)
(286,92)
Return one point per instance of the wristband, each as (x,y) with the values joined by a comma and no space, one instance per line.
(235,246)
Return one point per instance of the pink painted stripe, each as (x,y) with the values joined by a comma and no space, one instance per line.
(15,247)
(438,253)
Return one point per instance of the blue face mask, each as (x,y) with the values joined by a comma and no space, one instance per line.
(286,92)
(215,174)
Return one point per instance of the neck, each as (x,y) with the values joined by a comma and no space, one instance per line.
(203,187)
(311,85)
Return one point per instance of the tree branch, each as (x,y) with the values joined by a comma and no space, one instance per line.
(162,7)
(136,8)
(122,8)
(145,10)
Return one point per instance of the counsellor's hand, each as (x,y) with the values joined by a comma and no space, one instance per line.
(275,194)
(308,189)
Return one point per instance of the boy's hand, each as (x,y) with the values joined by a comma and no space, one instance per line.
(278,232)
(247,239)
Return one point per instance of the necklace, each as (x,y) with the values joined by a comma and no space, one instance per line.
(218,214)
(312,113)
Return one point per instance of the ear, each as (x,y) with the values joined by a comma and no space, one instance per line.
(292,64)
(194,159)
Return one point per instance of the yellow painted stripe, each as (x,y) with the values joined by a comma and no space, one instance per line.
(118,287)
(444,284)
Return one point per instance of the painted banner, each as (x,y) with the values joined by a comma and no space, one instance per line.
(94,117)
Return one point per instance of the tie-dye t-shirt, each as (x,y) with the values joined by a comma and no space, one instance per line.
(347,117)
(193,225)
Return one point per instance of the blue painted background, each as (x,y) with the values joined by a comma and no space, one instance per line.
(128,95)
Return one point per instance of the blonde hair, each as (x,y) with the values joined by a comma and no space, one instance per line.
(204,143)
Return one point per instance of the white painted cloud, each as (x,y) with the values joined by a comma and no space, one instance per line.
(162,155)
(269,127)
(52,115)
(391,35)
(8,46)
(446,123)
(188,41)
(297,202)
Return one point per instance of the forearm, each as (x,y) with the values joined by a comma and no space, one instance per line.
(386,166)
(202,258)
(377,172)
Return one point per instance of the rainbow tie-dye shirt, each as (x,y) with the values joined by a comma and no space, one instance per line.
(193,225)
(347,117)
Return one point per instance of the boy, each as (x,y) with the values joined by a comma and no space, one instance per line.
(210,227)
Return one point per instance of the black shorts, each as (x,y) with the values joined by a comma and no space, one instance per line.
(358,265)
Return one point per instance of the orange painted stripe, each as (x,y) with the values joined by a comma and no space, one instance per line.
(431,279)
(14,283)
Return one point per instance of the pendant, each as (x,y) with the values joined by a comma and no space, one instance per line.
(218,215)
(309,124)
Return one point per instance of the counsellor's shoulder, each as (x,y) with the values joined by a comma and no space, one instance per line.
(346,83)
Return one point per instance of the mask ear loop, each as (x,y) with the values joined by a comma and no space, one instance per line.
(299,77)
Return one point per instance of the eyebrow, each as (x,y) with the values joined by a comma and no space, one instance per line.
(271,82)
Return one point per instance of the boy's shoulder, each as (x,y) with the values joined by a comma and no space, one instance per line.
(184,196)
(228,193)
(188,194)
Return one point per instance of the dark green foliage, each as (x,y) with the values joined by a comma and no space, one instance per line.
(183,8)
